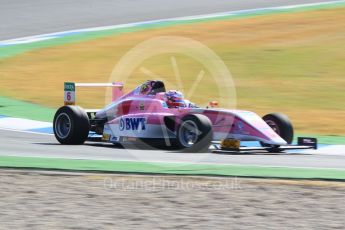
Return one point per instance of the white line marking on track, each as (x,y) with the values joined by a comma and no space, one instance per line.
(22,124)
(36,38)
(23,131)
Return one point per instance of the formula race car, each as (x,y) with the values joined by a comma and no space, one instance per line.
(151,115)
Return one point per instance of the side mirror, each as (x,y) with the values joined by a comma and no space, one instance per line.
(213,104)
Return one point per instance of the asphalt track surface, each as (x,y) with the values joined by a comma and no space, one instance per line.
(22,18)
(38,145)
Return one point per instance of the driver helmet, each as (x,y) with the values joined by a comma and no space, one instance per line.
(174,99)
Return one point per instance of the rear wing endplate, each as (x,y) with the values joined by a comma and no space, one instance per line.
(70,90)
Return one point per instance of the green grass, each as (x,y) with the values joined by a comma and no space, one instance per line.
(171,168)
(20,109)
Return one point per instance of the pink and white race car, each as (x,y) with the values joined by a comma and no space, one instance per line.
(149,114)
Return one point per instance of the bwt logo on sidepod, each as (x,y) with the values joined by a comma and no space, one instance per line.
(132,123)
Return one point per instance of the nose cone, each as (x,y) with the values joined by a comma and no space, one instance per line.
(258,129)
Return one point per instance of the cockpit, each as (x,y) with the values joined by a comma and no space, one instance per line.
(172,98)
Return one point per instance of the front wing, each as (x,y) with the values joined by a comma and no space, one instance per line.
(303,143)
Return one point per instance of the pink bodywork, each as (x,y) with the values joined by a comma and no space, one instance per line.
(238,124)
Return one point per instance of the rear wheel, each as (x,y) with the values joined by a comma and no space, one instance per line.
(280,124)
(194,134)
(71,125)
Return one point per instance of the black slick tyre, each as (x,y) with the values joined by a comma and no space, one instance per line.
(280,124)
(71,125)
(194,133)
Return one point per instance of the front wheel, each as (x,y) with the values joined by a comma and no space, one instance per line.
(71,125)
(280,124)
(194,134)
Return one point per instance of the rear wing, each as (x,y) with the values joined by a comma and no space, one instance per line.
(70,90)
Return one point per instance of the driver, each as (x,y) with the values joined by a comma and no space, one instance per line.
(174,99)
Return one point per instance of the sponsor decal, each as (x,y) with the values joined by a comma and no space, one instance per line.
(122,124)
(240,126)
(125,139)
(69,93)
(142,106)
(132,123)
(69,86)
